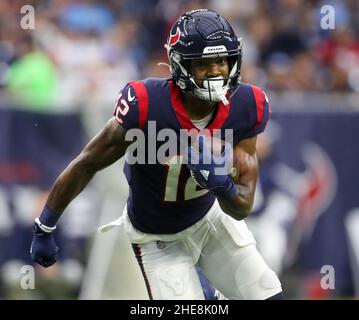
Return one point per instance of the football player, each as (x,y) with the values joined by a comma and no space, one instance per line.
(180,215)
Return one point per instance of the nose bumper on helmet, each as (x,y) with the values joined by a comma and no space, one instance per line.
(213,89)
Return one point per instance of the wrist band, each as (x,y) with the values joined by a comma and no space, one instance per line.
(44,227)
(48,219)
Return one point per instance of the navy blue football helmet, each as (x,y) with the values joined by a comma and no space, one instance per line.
(204,34)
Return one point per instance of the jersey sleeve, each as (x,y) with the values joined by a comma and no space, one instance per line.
(131,107)
(260,113)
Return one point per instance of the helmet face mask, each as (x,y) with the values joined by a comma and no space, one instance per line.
(203,34)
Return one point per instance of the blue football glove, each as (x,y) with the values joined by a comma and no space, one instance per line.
(43,246)
(210,171)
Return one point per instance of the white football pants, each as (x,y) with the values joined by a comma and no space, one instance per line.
(223,248)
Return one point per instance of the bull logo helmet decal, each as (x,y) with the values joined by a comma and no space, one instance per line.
(174,38)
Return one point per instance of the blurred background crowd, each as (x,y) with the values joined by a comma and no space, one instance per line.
(82,52)
(86,49)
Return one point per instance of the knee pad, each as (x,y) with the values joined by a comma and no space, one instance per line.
(258,282)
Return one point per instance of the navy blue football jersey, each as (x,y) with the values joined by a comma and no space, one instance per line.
(163,198)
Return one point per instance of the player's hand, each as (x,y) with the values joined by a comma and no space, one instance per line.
(211,171)
(43,247)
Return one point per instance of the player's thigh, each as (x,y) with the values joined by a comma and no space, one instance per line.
(168,270)
(234,266)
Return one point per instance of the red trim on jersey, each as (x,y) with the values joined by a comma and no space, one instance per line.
(142,98)
(185,121)
(180,111)
(260,100)
(221,116)
(137,249)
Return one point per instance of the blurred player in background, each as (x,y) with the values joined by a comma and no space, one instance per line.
(180,215)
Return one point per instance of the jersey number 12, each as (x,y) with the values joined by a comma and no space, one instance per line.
(173,182)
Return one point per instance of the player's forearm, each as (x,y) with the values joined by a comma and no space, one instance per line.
(238,207)
(69,184)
